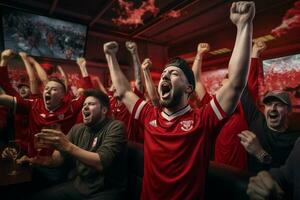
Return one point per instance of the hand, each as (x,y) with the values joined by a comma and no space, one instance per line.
(250,142)
(55,138)
(146,64)
(6,55)
(81,61)
(263,186)
(110,48)
(9,153)
(24,159)
(242,12)
(22,54)
(258,47)
(203,48)
(131,46)
(40,160)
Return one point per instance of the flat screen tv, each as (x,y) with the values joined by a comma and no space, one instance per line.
(42,36)
(283,73)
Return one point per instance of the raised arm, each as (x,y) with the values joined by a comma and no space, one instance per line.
(63,75)
(6,55)
(197,69)
(241,14)
(40,70)
(150,87)
(119,80)
(132,48)
(81,62)
(33,81)
(256,75)
(99,83)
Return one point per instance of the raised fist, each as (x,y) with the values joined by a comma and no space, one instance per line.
(258,47)
(7,54)
(22,54)
(203,48)
(131,46)
(110,47)
(242,12)
(146,64)
(81,61)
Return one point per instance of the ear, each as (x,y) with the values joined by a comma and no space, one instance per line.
(104,110)
(189,89)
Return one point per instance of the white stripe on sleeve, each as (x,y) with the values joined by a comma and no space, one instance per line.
(139,109)
(216,110)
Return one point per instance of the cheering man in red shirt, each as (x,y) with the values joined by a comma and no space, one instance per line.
(177,138)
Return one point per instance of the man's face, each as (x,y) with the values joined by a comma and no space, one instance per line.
(92,111)
(24,91)
(172,86)
(53,95)
(276,113)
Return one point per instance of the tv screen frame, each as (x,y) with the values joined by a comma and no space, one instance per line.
(43,40)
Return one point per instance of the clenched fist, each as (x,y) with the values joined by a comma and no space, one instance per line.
(110,48)
(242,12)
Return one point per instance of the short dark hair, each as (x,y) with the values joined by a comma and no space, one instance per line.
(101,96)
(60,81)
(183,65)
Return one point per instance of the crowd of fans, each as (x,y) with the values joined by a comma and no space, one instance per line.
(179,123)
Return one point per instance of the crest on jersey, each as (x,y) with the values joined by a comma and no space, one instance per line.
(187,125)
(94,142)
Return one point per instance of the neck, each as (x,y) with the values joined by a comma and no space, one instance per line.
(280,129)
(170,111)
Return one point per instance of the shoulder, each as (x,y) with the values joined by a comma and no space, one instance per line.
(112,123)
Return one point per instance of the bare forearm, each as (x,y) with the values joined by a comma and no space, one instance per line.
(150,87)
(197,69)
(239,61)
(83,71)
(137,72)
(118,78)
(32,78)
(89,158)
(41,72)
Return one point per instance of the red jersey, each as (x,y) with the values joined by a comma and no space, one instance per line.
(228,147)
(176,149)
(40,117)
(119,111)
(33,108)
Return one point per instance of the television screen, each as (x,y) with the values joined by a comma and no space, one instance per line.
(43,36)
(283,74)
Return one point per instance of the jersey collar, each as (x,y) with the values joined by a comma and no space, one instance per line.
(176,114)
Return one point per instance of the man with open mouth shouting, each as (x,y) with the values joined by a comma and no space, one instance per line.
(269,139)
(177,138)
(54,107)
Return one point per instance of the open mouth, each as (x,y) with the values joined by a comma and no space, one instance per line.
(273,115)
(165,89)
(86,114)
(47,99)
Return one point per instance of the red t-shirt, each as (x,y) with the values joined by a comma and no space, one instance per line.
(176,149)
(25,127)
(40,117)
(228,147)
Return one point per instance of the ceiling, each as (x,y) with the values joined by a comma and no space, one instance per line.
(200,21)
